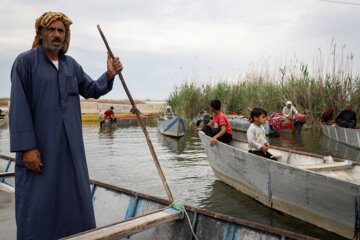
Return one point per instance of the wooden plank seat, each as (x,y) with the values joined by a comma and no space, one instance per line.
(327,166)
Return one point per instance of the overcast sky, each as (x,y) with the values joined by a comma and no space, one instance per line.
(161,43)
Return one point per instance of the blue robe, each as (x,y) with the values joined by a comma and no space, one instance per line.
(45,115)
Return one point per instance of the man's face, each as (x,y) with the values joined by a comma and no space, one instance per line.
(348,107)
(53,36)
(289,105)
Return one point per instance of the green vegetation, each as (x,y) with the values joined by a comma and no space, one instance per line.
(311,93)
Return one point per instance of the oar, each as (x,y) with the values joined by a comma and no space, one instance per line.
(141,121)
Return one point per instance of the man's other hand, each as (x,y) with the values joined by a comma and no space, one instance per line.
(32,160)
(114,67)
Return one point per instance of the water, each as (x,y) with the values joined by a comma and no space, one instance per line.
(121,157)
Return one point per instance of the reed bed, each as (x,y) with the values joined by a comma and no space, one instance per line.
(329,84)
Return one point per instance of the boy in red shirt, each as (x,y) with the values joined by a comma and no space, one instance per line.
(109,114)
(219,128)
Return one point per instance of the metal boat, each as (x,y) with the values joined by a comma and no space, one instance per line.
(121,213)
(348,136)
(324,191)
(174,127)
(241,123)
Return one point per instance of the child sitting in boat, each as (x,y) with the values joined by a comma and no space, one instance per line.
(219,128)
(256,134)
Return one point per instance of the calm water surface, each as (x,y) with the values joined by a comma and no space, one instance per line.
(121,157)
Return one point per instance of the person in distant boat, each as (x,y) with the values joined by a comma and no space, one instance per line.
(346,118)
(168,112)
(200,118)
(53,196)
(289,112)
(109,114)
(327,115)
(256,137)
(101,118)
(219,127)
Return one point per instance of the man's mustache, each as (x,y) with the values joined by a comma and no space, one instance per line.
(58,40)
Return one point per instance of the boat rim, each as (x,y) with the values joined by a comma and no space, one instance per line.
(195,210)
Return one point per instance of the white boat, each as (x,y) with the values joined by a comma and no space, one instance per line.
(241,123)
(320,190)
(347,136)
(124,214)
(174,127)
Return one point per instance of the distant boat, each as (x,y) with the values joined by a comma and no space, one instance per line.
(241,123)
(174,127)
(308,186)
(121,213)
(127,121)
(347,136)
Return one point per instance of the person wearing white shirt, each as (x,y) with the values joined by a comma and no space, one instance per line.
(258,144)
(289,111)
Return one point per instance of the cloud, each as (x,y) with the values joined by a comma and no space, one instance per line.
(162,42)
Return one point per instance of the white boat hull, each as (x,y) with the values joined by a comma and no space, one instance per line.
(174,127)
(242,124)
(347,136)
(322,198)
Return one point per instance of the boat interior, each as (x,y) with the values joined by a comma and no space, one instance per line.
(345,170)
(123,213)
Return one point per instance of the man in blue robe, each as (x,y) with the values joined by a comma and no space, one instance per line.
(53,197)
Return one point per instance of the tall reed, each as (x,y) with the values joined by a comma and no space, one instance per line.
(330,84)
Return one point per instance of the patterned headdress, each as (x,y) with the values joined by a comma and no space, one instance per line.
(45,20)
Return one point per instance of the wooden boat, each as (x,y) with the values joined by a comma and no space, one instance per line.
(174,127)
(307,186)
(347,136)
(127,121)
(241,123)
(122,213)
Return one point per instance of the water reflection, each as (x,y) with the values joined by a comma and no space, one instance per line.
(176,145)
(106,133)
(343,150)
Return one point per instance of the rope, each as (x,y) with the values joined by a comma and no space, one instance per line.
(180,207)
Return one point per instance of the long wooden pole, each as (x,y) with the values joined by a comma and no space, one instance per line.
(141,121)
